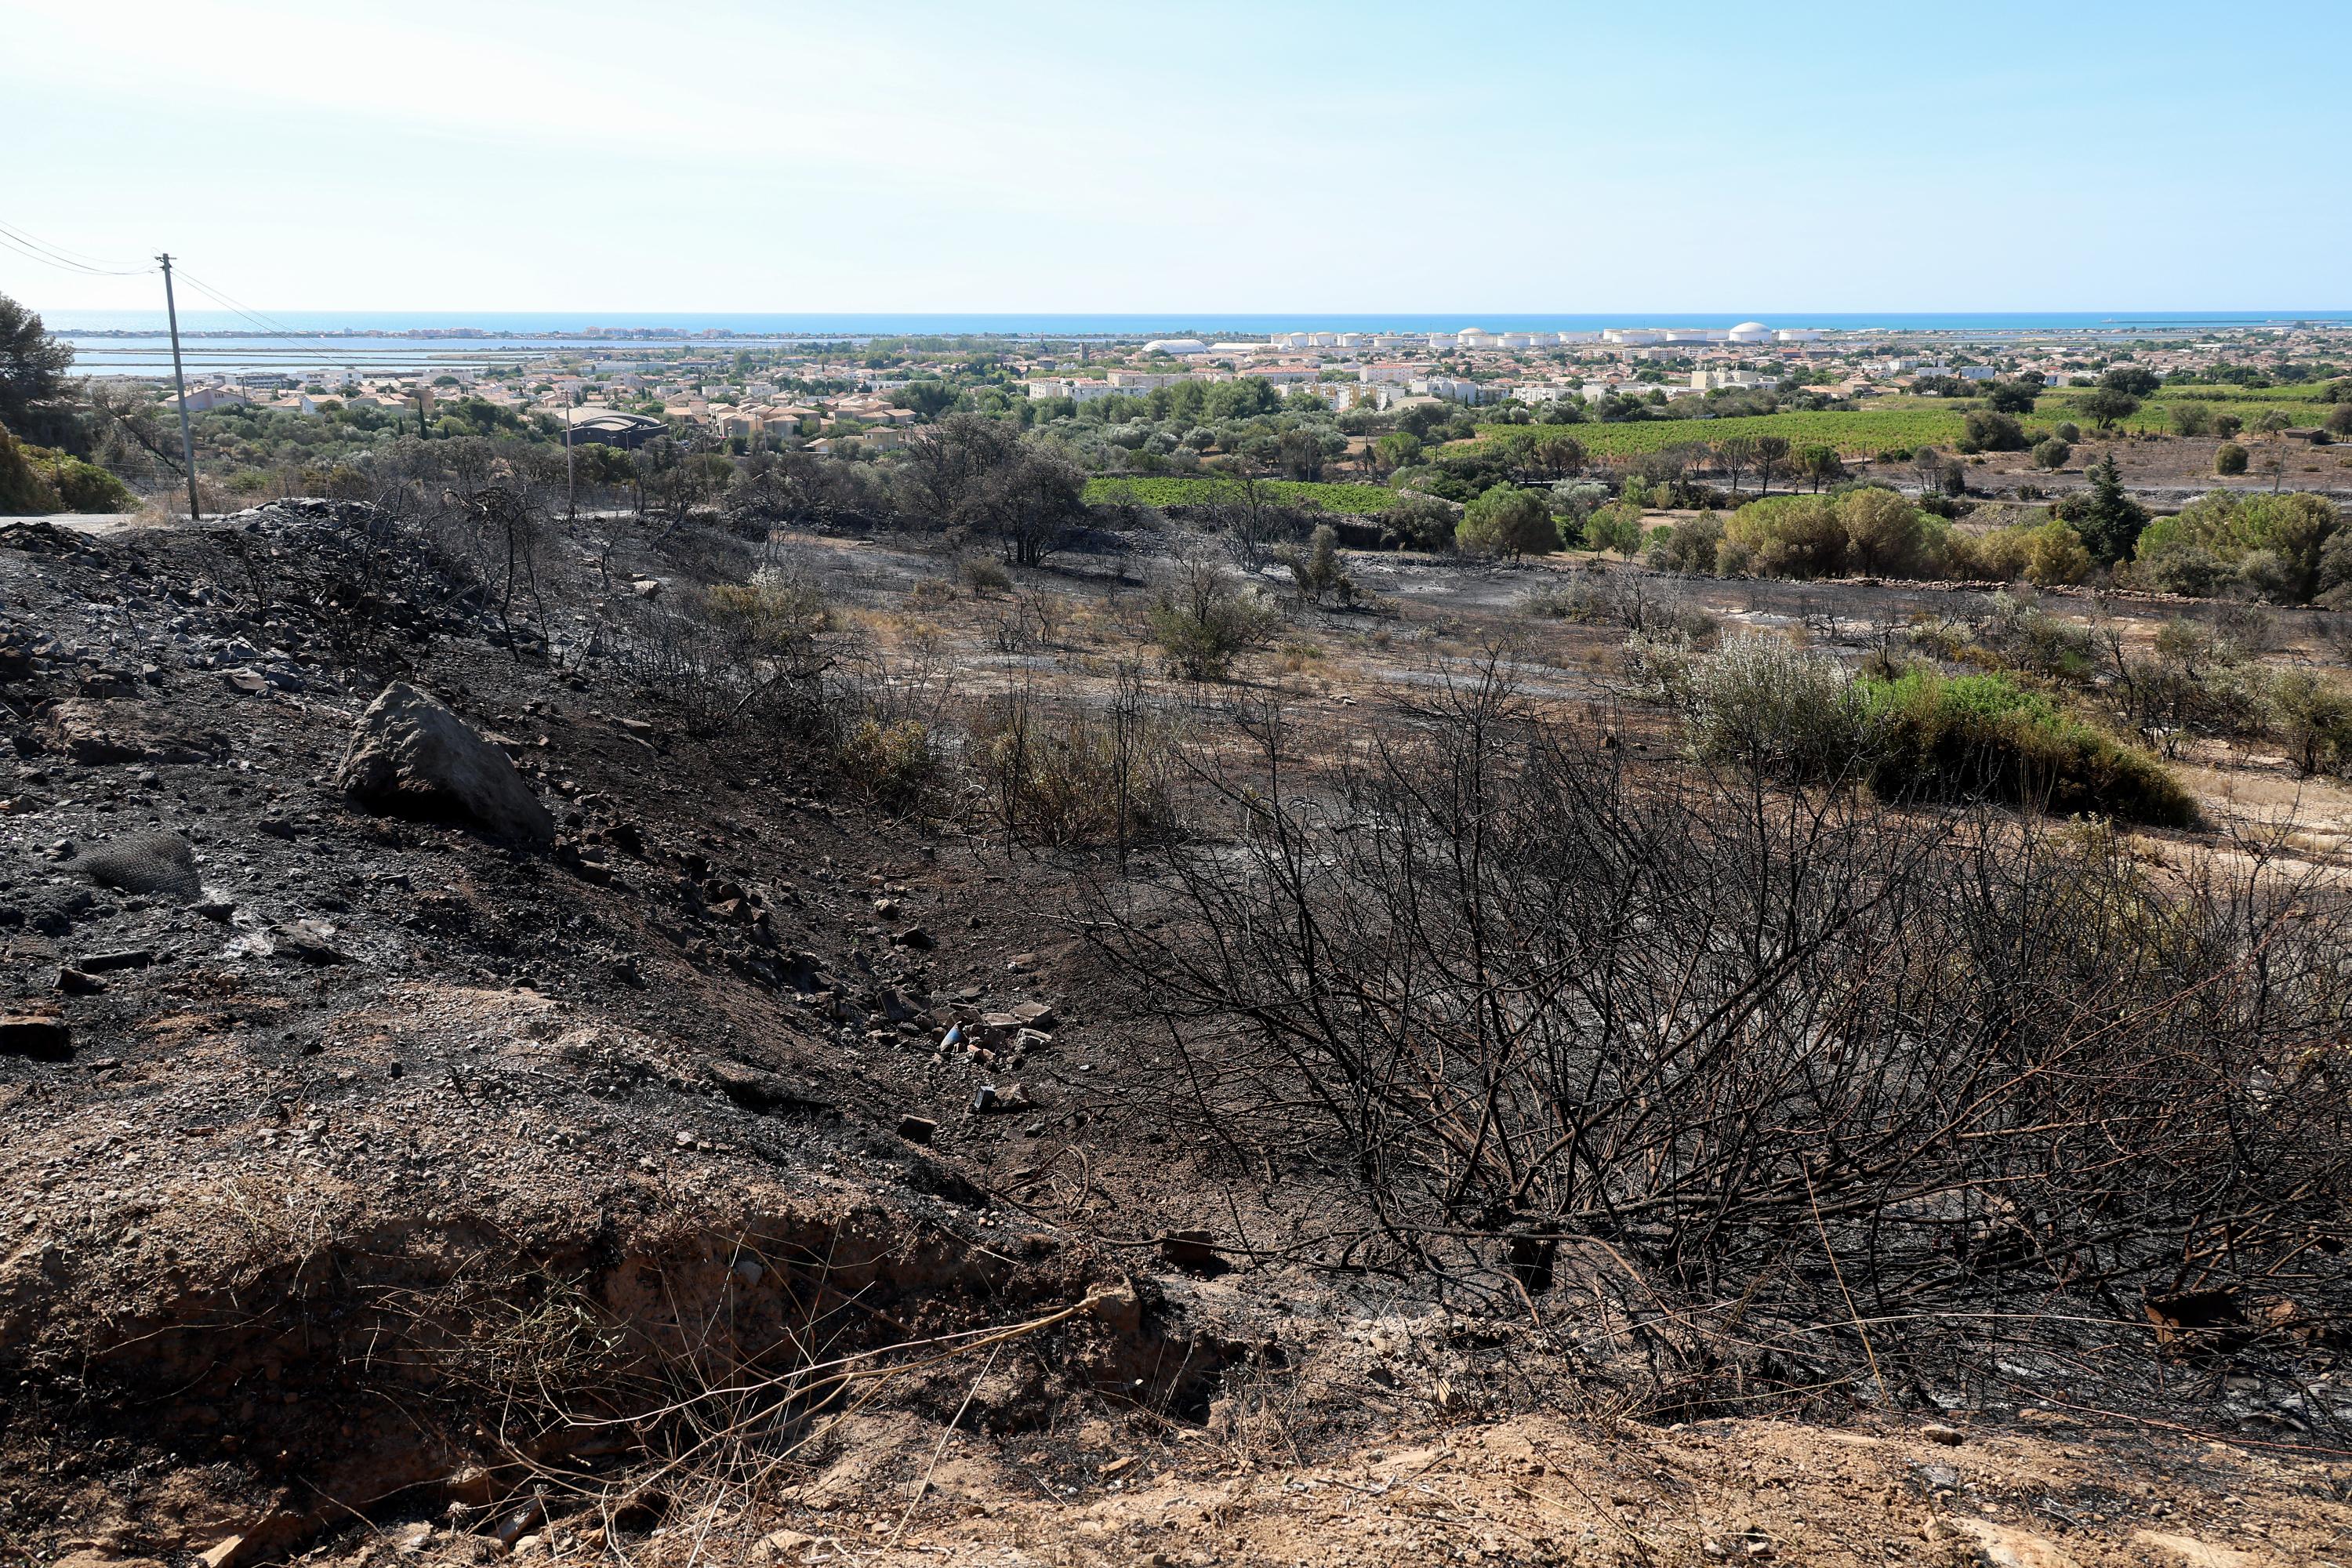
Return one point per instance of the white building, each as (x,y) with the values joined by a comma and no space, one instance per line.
(1749,333)
(1342,395)
(1144,380)
(1455,389)
(1796,335)
(1081,390)
(201,398)
(1176,346)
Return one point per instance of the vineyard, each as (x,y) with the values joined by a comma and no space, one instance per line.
(1168,492)
(1857,434)
(1865,432)
(2300,404)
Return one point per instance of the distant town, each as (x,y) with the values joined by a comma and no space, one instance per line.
(622,387)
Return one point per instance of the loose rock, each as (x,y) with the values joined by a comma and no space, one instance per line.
(410,754)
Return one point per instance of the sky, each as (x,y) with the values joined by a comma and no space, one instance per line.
(1030,155)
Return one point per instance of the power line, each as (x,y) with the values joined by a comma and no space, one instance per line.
(34,250)
(30,255)
(64,252)
(269,326)
(31,248)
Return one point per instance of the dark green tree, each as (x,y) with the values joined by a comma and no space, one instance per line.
(929,399)
(33,367)
(2012,396)
(2110,521)
(1507,521)
(2108,404)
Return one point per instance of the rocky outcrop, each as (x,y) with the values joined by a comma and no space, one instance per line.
(410,756)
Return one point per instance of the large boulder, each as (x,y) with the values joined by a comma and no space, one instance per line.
(410,755)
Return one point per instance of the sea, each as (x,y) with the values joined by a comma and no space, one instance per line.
(134,343)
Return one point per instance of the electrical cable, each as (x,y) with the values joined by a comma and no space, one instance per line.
(269,326)
(30,255)
(25,245)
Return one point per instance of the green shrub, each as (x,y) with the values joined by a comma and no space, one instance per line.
(2055,555)
(2313,720)
(2176,568)
(2289,531)
(1885,534)
(1687,547)
(1782,711)
(21,489)
(1997,555)
(1987,430)
(983,575)
(1984,737)
(1617,526)
(2052,453)
(1788,536)
(2228,458)
(1204,619)
(1869,529)
(37,480)
(2066,430)
(1419,522)
(2190,418)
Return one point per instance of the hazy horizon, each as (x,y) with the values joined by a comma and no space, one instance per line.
(1047,157)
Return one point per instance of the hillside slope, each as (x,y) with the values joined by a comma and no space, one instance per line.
(379,1189)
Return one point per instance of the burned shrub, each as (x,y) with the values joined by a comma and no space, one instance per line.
(732,651)
(1809,1087)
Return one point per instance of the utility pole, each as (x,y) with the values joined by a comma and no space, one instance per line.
(180,386)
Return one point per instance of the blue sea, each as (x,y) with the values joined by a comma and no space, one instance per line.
(133,341)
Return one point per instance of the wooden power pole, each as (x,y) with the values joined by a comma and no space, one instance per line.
(180,386)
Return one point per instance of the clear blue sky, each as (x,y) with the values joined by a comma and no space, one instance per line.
(1268,156)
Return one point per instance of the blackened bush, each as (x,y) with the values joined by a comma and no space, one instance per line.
(1795,1086)
(893,764)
